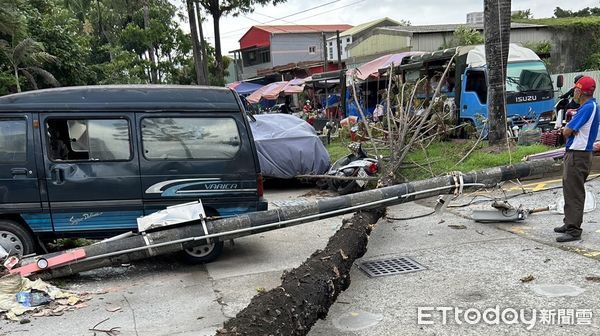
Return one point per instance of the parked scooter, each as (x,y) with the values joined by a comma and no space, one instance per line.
(560,107)
(355,164)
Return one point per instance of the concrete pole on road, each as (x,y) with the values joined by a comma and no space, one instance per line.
(144,246)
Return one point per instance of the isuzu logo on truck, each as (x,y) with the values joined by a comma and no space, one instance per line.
(525,99)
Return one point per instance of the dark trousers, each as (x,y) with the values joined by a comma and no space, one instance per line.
(575,171)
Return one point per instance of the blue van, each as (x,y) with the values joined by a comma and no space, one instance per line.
(88,161)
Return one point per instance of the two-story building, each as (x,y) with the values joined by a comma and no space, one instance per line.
(263,48)
(352,35)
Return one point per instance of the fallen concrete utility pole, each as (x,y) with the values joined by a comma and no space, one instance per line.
(175,239)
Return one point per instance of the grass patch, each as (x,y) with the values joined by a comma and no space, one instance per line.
(337,149)
(443,156)
(564,22)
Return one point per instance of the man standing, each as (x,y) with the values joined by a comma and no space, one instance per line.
(580,134)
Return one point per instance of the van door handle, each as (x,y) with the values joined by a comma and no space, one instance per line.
(57,175)
(19,171)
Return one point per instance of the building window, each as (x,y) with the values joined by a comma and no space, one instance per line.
(330,44)
(264,56)
(256,56)
(348,40)
(312,49)
(330,55)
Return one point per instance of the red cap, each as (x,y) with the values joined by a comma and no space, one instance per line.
(587,85)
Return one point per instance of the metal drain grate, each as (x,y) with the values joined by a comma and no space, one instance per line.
(393,266)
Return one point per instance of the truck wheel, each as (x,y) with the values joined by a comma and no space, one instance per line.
(15,239)
(202,254)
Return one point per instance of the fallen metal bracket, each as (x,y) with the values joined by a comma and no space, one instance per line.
(494,216)
(504,213)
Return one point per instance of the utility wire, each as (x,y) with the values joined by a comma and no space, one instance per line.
(283,17)
(308,17)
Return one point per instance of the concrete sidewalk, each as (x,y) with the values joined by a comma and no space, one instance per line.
(478,267)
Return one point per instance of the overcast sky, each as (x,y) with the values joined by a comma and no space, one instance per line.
(355,12)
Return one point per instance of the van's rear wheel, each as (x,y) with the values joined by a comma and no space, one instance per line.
(202,254)
(15,239)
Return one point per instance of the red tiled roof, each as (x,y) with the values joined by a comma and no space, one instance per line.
(283,29)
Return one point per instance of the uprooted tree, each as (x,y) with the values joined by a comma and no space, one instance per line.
(407,123)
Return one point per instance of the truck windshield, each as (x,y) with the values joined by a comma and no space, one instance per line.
(527,76)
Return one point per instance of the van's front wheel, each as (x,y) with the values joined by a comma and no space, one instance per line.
(202,254)
(15,239)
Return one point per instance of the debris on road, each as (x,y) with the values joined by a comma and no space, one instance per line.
(528,278)
(114,331)
(594,278)
(457,226)
(113,309)
(19,295)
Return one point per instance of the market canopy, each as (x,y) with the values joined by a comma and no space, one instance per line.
(271,91)
(244,87)
(371,69)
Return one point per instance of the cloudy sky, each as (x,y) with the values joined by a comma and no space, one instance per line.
(354,12)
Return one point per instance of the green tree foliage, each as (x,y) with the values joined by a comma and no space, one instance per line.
(90,42)
(12,22)
(26,58)
(522,15)
(464,35)
(22,57)
(220,8)
(587,11)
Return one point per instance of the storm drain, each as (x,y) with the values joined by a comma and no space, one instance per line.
(392,266)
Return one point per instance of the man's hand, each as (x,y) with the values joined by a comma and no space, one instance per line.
(567,132)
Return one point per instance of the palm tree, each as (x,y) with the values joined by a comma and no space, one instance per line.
(497,38)
(27,58)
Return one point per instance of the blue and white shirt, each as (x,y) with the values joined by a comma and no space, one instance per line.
(585,122)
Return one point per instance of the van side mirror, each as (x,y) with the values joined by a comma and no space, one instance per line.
(560,81)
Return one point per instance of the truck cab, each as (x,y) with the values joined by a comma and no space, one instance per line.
(529,89)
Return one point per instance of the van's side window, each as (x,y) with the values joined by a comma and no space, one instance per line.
(13,140)
(88,139)
(190,138)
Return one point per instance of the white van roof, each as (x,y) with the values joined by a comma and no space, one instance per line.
(476,56)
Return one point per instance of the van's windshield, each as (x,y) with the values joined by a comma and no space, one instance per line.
(527,76)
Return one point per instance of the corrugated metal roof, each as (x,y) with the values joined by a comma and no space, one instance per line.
(453,27)
(286,29)
(357,29)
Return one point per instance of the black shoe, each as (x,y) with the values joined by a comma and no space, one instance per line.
(560,229)
(567,238)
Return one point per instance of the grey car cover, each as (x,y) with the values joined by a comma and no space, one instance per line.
(288,146)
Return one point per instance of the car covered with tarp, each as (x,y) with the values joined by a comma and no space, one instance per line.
(288,146)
